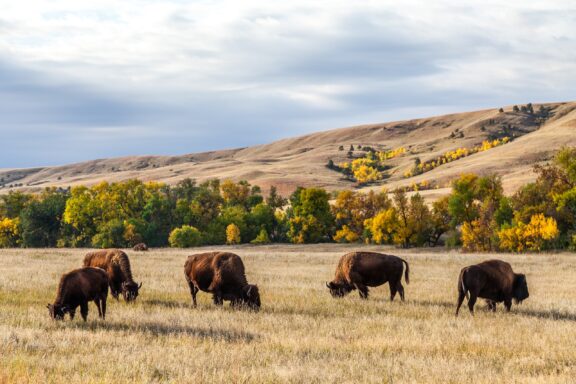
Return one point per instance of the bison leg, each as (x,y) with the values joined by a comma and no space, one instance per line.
(217,298)
(72,313)
(103,304)
(193,292)
(461,296)
(393,290)
(508,304)
(97,302)
(115,290)
(363,290)
(471,302)
(492,305)
(400,289)
(84,310)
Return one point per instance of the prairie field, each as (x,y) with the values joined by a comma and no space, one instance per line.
(301,334)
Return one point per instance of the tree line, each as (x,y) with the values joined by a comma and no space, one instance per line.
(476,215)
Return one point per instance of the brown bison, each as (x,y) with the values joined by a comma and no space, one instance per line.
(222,274)
(77,288)
(116,263)
(360,270)
(494,281)
(140,247)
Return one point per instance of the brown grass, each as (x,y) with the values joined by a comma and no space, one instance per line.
(301,335)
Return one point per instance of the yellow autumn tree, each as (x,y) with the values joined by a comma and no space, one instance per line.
(9,232)
(366,174)
(346,235)
(382,226)
(534,236)
(232,234)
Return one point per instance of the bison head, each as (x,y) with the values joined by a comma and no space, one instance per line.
(520,288)
(130,290)
(57,311)
(338,289)
(251,296)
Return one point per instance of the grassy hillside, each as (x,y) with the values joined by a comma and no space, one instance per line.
(301,334)
(302,160)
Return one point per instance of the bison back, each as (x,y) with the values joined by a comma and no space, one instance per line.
(373,268)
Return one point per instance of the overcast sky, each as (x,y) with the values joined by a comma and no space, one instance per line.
(90,79)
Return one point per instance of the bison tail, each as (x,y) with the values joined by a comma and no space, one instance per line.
(461,286)
(406,272)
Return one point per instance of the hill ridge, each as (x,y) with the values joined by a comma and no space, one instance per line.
(302,160)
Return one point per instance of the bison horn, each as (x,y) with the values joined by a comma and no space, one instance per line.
(140,286)
(248,291)
(327,285)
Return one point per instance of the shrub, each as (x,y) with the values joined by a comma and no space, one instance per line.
(232,234)
(262,238)
(538,234)
(9,233)
(110,235)
(184,237)
(346,235)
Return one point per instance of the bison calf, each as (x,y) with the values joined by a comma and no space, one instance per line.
(360,270)
(494,281)
(117,265)
(77,288)
(223,275)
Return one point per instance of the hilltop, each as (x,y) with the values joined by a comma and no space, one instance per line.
(301,161)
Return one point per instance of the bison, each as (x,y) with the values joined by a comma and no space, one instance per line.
(360,270)
(222,274)
(77,288)
(117,265)
(140,247)
(494,281)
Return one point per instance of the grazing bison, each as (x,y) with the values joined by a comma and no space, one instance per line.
(360,270)
(117,265)
(494,281)
(140,247)
(222,274)
(77,288)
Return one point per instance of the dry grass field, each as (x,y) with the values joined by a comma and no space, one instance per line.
(301,334)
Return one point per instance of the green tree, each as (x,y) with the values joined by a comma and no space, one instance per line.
(310,217)
(41,220)
(14,202)
(185,237)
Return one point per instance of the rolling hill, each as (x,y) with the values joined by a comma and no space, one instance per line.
(302,160)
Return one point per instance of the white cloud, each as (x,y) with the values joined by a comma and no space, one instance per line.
(210,68)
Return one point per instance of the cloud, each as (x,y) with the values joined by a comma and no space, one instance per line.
(89,79)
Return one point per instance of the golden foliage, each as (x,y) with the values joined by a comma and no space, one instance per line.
(232,234)
(346,235)
(382,226)
(529,237)
(453,155)
(9,232)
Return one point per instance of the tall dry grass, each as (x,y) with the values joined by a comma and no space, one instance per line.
(301,335)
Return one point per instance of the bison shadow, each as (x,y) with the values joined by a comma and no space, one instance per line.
(160,329)
(430,303)
(165,303)
(548,315)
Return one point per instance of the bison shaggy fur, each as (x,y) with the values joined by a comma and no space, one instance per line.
(360,270)
(117,265)
(223,275)
(77,288)
(494,281)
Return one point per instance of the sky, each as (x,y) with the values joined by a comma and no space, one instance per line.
(90,79)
